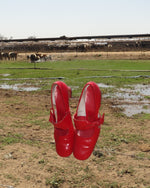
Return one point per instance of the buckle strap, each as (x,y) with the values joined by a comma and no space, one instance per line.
(62,124)
(82,124)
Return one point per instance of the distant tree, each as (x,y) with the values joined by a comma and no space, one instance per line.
(32,37)
(2,37)
(10,38)
(63,37)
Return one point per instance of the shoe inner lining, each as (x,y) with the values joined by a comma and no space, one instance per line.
(54,102)
(58,117)
(81,108)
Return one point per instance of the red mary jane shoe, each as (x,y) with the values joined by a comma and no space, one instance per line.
(87,121)
(60,117)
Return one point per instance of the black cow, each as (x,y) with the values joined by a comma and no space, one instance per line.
(1,56)
(38,58)
(33,58)
(13,56)
(6,56)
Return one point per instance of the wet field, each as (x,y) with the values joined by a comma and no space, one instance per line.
(121,156)
(132,99)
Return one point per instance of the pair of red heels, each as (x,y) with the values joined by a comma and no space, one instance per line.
(81,141)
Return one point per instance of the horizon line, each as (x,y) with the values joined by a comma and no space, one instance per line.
(76,38)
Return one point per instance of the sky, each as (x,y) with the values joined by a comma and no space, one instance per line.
(55,18)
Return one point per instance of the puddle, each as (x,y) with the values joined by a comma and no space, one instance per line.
(104,85)
(19,87)
(143,89)
(133,100)
(5,75)
(130,109)
(128,97)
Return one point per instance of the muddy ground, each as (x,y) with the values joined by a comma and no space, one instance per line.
(27,149)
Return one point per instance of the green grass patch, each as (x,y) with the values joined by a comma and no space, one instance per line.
(11,139)
(54,182)
(78,72)
(142,116)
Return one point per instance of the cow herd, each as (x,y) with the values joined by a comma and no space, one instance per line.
(38,57)
(8,56)
(34,57)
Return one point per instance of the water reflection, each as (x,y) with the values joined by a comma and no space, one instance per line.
(5,75)
(19,87)
(133,100)
(104,85)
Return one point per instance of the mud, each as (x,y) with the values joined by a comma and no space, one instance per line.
(132,100)
(27,148)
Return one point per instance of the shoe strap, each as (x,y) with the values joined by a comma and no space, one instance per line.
(63,124)
(84,124)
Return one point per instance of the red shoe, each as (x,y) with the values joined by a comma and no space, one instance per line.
(87,121)
(60,117)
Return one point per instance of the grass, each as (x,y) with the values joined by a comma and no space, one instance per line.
(10,139)
(115,140)
(11,177)
(54,182)
(112,185)
(78,72)
(16,138)
(141,116)
(102,64)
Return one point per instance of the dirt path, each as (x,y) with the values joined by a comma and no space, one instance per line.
(27,149)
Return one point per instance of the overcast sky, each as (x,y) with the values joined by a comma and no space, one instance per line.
(55,18)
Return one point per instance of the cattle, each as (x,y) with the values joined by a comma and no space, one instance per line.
(5,56)
(38,55)
(34,58)
(38,58)
(109,46)
(13,56)
(45,57)
(8,56)
(1,56)
(82,47)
